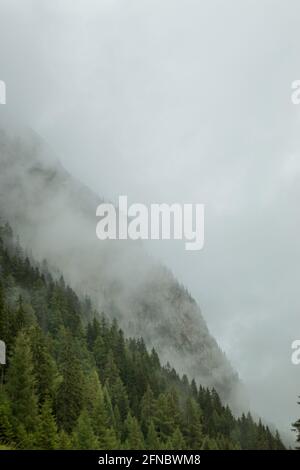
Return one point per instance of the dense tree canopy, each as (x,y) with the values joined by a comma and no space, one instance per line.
(73,384)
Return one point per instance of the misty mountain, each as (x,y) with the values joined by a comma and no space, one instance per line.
(55,217)
(67,385)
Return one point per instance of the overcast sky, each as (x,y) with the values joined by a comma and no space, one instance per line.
(184,101)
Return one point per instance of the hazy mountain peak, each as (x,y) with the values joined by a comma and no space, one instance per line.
(54,215)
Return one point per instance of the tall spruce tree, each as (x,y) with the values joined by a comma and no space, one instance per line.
(83,436)
(152,441)
(46,435)
(135,439)
(70,397)
(21,385)
(194,429)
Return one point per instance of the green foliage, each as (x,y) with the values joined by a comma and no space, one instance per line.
(64,441)
(134,439)
(21,386)
(176,441)
(296,428)
(44,366)
(46,436)
(152,440)
(166,416)
(6,419)
(70,384)
(83,436)
(194,427)
(69,400)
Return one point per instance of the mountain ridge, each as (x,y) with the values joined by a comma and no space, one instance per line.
(54,215)
(73,386)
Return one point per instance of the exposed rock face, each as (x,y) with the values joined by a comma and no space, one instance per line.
(55,217)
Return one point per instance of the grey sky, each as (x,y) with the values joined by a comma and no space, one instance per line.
(183,101)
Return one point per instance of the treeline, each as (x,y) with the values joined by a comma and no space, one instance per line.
(296,428)
(70,384)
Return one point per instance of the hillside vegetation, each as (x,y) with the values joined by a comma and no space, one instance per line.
(71,383)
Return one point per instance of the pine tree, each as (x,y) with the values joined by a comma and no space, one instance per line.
(99,351)
(111,372)
(135,440)
(25,440)
(194,390)
(176,441)
(64,442)
(119,425)
(54,364)
(47,438)
(166,416)
(118,394)
(70,393)
(44,366)
(278,445)
(194,432)
(147,409)
(209,444)
(109,407)
(21,385)
(20,316)
(296,428)
(99,414)
(92,332)
(55,318)
(83,435)
(152,441)
(6,419)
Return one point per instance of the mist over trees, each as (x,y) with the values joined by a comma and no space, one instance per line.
(54,216)
(75,381)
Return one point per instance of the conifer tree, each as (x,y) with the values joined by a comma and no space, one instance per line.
(296,428)
(152,441)
(83,436)
(99,351)
(166,417)
(64,442)
(135,440)
(176,441)
(20,316)
(6,419)
(209,444)
(54,363)
(99,414)
(69,400)
(45,369)
(47,438)
(21,385)
(147,409)
(109,407)
(119,425)
(194,432)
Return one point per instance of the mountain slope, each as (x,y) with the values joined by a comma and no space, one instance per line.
(67,386)
(54,216)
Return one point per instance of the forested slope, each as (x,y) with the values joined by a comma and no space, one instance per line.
(74,384)
(55,217)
